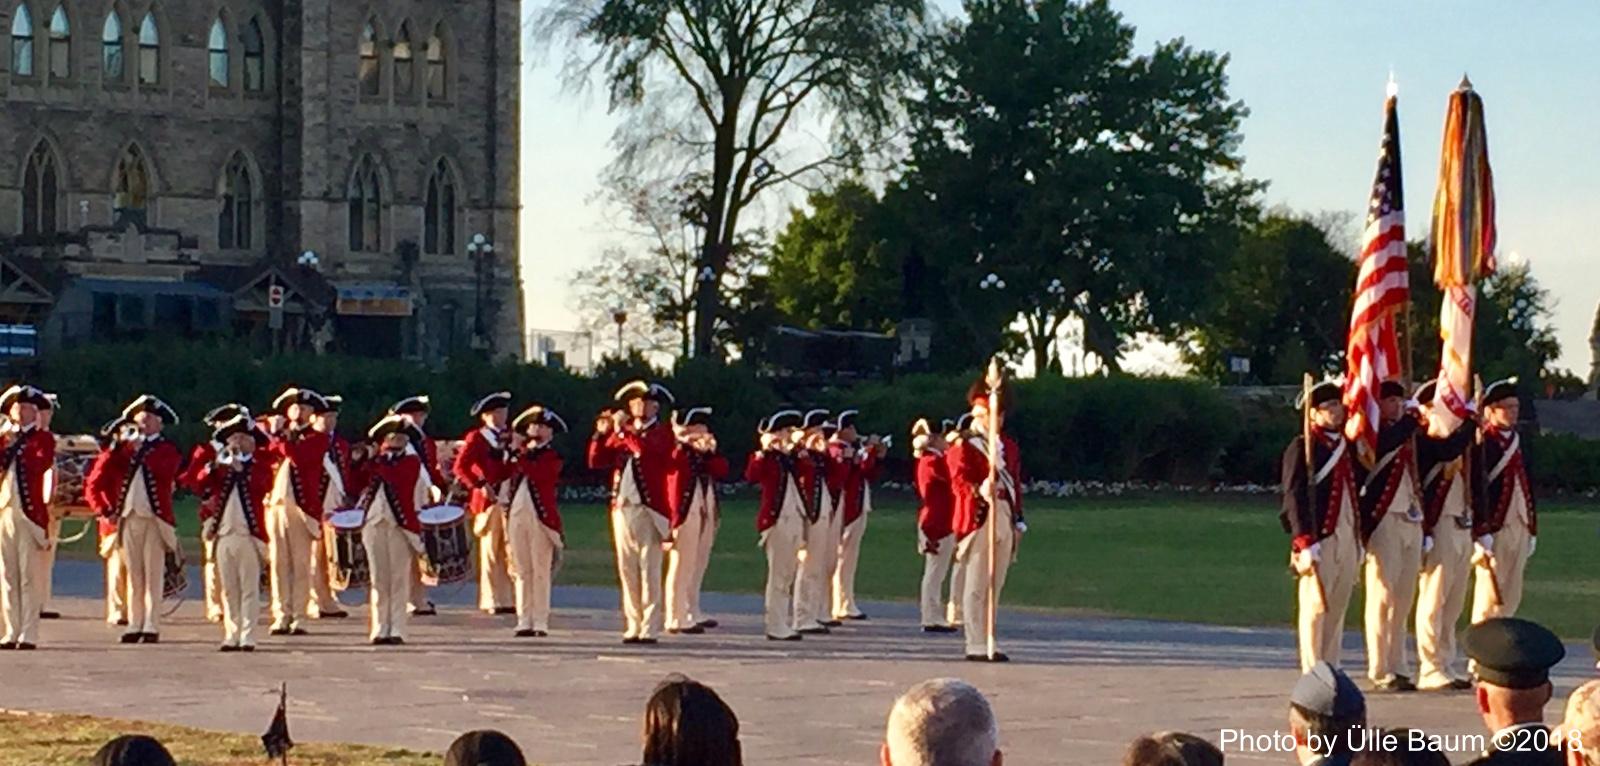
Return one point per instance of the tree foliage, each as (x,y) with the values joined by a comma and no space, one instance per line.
(838,265)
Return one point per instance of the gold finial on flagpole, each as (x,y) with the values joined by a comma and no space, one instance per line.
(1393,89)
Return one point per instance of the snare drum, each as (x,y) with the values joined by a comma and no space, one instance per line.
(347,556)
(447,546)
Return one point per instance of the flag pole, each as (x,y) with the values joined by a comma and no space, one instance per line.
(993,380)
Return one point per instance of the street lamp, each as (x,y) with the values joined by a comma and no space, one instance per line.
(481,251)
(620,316)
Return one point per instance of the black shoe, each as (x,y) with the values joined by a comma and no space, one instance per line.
(397,641)
(227,648)
(938,629)
(380,642)
(832,624)
(998,657)
(333,615)
(26,647)
(426,611)
(1460,684)
(8,646)
(247,648)
(694,630)
(629,640)
(500,610)
(149,638)
(278,632)
(1394,685)
(299,632)
(49,615)
(790,637)
(527,633)
(540,634)
(820,630)
(855,617)
(130,638)
(122,623)
(707,624)
(646,641)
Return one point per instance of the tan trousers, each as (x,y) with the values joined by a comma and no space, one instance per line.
(1510,558)
(116,586)
(783,543)
(973,552)
(290,547)
(532,552)
(20,546)
(144,556)
(323,599)
(844,572)
(958,587)
(494,568)
(238,565)
(1321,629)
(638,544)
(934,568)
(1394,556)
(213,580)
(686,567)
(1442,592)
(391,560)
(419,589)
(813,603)
(47,564)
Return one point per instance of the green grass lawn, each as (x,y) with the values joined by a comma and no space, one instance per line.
(1204,559)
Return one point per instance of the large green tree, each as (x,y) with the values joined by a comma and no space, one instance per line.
(1095,182)
(837,263)
(718,95)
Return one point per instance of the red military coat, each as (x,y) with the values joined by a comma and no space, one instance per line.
(257,484)
(540,469)
(32,452)
(94,497)
(651,452)
(396,476)
(848,477)
(339,453)
(690,468)
(770,470)
(480,466)
(159,458)
(303,451)
(969,468)
(193,479)
(936,515)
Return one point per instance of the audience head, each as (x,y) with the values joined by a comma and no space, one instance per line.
(1514,658)
(1324,708)
(484,747)
(1581,725)
(942,722)
(1402,754)
(687,724)
(1172,748)
(133,750)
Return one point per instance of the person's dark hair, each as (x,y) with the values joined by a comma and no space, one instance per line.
(1171,748)
(687,724)
(133,750)
(484,747)
(1401,754)
(1328,727)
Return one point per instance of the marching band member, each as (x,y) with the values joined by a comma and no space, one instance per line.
(47,565)
(1504,519)
(969,482)
(692,486)
(480,465)
(294,509)
(1319,513)
(637,447)
(785,480)
(934,537)
(1446,550)
(857,465)
(814,591)
(139,477)
(415,411)
(233,523)
(335,491)
(533,524)
(26,452)
(110,550)
(391,531)
(1391,532)
(193,479)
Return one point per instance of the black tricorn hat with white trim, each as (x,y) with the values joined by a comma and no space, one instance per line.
(694,416)
(24,393)
(1500,390)
(846,419)
(499,400)
(153,405)
(330,403)
(814,419)
(783,419)
(964,423)
(110,427)
(239,424)
(224,413)
(391,424)
(538,414)
(296,395)
(922,427)
(1320,394)
(411,405)
(51,402)
(637,389)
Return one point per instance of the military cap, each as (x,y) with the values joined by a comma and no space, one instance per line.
(1320,394)
(498,400)
(783,419)
(694,416)
(1512,652)
(1501,389)
(1327,691)
(814,419)
(1426,391)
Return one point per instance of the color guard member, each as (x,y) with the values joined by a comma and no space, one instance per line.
(533,523)
(857,466)
(1319,514)
(969,464)
(26,453)
(692,485)
(233,523)
(935,541)
(140,476)
(1446,550)
(1504,519)
(391,531)
(294,509)
(1391,532)
(785,480)
(637,448)
(481,464)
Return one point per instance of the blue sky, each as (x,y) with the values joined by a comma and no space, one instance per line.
(1313,74)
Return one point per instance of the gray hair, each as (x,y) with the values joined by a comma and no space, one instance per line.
(942,722)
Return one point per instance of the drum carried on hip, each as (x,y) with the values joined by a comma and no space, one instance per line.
(347,556)
(447,556)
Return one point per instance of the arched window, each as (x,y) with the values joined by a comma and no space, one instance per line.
(366,208)
(235,221)
(111,46)
(149,51)
(60,44)
(133,181)
(369,60)
(40,187)
(255,76)
(22,42)
(439,212)
(218,45)
(437,66)
(405,65)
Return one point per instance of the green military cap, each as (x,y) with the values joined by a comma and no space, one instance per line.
(1513,653)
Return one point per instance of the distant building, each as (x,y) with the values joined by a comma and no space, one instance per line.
(165,165)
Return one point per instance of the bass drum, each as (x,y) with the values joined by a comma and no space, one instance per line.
(447,546)
(347,556)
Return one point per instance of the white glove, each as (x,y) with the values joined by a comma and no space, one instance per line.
(1427,544)
(208,529)
(1022,527)
(1472,407)
(1316,551)
(1481,554)
(1533,545)
(1486,542)
(1412,405)
(1303,563)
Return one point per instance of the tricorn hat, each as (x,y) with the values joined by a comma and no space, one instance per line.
(496,401)
(1320,394)
(153,405)
(225,413)
(294,395)
(1501,389)
(814,419)
(783,419)
(411,405)
(694,416)
(391,424)
(24,393)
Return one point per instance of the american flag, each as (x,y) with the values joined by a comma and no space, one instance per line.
(1382,288)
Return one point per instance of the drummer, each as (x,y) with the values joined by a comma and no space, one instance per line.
(233,523)
(391,530)
(533,525)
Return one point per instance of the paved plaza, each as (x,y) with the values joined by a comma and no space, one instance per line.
(1077,690)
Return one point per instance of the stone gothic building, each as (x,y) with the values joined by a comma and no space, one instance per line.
(336,174)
